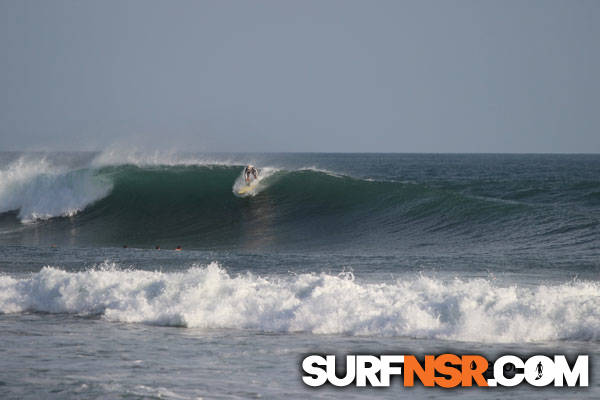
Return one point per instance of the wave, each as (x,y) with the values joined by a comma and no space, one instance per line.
(190,203)
(420,307)
(39,190)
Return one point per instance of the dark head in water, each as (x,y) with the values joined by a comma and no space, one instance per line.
(178,248)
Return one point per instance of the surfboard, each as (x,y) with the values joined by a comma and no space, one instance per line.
(244,189)
(247,188)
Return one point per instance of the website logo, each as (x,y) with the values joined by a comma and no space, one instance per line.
(445,370)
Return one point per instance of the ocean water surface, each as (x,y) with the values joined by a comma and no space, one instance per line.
(331,253)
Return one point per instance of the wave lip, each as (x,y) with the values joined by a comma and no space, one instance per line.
(133,156)
(208,297)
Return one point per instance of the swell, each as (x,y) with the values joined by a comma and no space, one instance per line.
(194,205)
(418,306)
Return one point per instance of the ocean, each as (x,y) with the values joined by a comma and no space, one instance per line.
(341,254)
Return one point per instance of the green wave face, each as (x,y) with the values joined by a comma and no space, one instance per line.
(196,207)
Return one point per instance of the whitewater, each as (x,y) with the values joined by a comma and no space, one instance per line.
(331,254)
(208,297)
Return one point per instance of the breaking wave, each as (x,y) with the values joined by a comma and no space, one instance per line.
(420,307)
(39,190)
(147,200)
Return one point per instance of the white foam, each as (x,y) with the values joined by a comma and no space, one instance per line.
(208,297)
(262,182)
(39,190)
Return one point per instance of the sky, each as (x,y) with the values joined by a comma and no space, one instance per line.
(296,76)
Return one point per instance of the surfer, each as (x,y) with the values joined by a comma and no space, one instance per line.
(250,171)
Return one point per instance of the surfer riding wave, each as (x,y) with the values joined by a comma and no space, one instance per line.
(247,186)
(250,173)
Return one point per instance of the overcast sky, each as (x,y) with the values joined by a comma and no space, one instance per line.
(397,76)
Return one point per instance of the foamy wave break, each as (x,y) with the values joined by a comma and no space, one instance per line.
(39,190)
(208,297)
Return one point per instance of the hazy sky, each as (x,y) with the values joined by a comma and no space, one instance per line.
(394,76)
